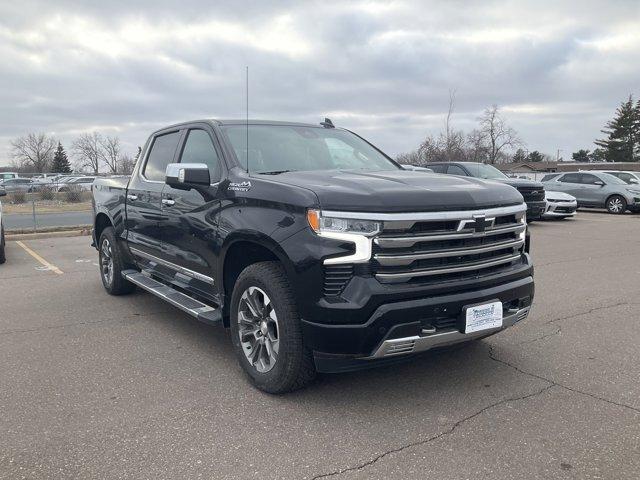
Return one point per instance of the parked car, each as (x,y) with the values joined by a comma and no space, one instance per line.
(312,267)
(630,178)
(82,183)
(3,257)
(532,192)
(550,176)
(559,205)
(11,185)
(8,175)
(598,190)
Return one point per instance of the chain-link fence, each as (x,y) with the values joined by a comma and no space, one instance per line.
(45,202)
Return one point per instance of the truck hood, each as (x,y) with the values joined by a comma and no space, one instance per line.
(399,191)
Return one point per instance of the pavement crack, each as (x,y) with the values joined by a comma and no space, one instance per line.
(425,441)
(587,312)
(75,324)
(493,357)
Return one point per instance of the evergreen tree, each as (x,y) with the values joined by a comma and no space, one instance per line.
(60,161)
(623,134)
(535,156)
(581,155)
(520,156)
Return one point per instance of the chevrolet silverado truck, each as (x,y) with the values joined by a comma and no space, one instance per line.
(532,191)
(312,247)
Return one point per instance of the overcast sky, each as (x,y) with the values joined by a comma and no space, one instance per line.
(558,69)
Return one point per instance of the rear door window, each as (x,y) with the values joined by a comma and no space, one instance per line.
(161,155)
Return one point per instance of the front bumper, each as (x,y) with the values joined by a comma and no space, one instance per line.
(560,209)
(399,329)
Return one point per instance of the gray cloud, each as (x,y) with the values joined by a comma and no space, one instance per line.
(382,68)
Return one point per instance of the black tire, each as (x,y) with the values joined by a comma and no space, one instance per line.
(616,205)
(3,257)
(113,283)
(293,368)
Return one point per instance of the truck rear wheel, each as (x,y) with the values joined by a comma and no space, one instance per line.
(265,330)
(111,264)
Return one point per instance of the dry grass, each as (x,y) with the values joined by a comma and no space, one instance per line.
(45,206)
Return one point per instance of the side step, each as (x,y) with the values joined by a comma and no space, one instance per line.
(195,308)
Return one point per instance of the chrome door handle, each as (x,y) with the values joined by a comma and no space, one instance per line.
(168,202)
(130,196)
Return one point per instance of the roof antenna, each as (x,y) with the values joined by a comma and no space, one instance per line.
(327,123)
(247,113)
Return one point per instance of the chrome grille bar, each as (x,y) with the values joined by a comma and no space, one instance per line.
(403,242)
(406,276)
(396,260)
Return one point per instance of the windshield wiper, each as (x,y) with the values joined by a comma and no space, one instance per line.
(276,172)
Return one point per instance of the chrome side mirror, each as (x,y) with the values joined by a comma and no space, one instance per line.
(187,175)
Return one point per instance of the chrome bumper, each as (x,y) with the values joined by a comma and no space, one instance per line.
(415,344)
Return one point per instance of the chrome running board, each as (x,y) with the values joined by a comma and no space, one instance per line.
(195,308)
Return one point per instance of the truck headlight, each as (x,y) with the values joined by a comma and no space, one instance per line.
(322,224)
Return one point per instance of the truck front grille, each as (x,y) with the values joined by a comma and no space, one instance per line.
(463,245)
(532,194)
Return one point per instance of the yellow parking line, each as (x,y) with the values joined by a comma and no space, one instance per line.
(50,266)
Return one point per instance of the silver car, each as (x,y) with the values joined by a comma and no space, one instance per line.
(11,185)
(630,178)
(597,189)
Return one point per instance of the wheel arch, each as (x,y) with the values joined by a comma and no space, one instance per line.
(240,251)
(101,222)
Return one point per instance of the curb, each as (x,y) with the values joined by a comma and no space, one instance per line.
(75,232)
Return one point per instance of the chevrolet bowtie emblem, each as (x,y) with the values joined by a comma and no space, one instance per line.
(480,223)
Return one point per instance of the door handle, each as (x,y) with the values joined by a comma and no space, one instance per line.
(168,202)
(132,197)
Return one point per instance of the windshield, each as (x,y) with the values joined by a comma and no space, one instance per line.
(482,170)
(278,148)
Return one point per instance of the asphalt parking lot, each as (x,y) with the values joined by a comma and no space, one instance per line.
(94,386)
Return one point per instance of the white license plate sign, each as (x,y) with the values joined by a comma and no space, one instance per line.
(483,317)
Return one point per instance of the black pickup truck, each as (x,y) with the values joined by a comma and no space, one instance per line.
(315,249)
(532,191)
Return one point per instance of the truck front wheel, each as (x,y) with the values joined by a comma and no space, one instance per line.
(111,264)
(265,330)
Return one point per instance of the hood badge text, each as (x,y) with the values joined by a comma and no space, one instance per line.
(239,187)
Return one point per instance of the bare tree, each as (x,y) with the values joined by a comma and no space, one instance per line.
(498,135)
(33,152)
(87,150)
(476,148)
(452,142)
(110,152)
(126,164)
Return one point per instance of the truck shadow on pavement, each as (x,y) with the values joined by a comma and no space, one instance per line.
(421,378)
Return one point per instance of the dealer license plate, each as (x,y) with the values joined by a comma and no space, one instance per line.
(483,317)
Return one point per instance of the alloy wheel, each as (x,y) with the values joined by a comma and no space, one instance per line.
(258,329)
(615,205)
(106,261)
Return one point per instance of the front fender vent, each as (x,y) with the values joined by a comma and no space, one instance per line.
(336,278)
